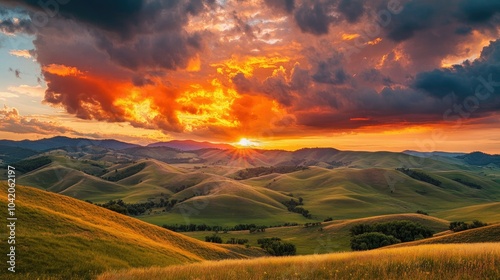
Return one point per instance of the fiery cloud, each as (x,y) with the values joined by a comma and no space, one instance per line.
(263,68)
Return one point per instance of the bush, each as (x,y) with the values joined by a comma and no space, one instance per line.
(372,240)
(422,212)
(213,239)
(460,226)
(276,247)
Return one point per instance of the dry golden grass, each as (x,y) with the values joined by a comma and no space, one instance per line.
(59,237)
(464,261)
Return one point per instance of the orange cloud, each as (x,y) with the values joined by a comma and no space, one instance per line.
(348,37)
(247,65)
(62,70)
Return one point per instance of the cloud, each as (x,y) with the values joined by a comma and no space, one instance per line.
(217,68)
(467,81)
(35,91)
(16,25)
(12,121)
(21,53)
(286,6)
(314,18)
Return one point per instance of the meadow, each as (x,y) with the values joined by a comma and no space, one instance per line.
(464,261)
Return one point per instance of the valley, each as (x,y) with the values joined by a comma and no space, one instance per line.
(310,198)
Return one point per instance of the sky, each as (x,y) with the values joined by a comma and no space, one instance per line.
(284,74)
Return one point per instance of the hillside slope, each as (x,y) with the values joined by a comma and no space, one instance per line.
(489,233)
(55,231)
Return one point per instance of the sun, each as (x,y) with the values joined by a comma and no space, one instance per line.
(245,142)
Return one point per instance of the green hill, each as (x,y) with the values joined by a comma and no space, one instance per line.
(489,212)
(66,238)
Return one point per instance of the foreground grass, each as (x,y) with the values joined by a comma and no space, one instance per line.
(464,261)
(58,237)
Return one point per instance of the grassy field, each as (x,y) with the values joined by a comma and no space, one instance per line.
(329,237)
(464,261)
(65,238)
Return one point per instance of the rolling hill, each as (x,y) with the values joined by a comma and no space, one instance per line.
(206,188)
(56,231)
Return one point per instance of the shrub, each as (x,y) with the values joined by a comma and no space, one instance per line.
(276,247)
(213,239)
(460,226)
(372,240)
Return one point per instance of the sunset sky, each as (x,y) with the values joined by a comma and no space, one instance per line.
(350,74)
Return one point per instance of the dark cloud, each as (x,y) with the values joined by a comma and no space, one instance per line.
(286,6)
(168,51)
(314,18)
(415,16)
(19,26)
(479,11)
(376,77)
(352,9)
(125,18)
(242,84)
(331,71)
(475,82)
(463,30)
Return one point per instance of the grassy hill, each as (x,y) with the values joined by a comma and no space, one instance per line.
(489,233)
(329,236)
(489,212)
(464,261)
(338,184)
(66,238)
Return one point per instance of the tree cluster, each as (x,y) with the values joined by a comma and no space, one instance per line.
(293,206)
(263,170)
(372,240)
(468,184)
(238,241)
(421,176)
(312,224)
(276,247)
(28,165)
(460,226)
(214,238)
(400,231)
(127,172)
(133,209)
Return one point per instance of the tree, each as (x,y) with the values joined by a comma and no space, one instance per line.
(372,240)
(213,239)
(276,247)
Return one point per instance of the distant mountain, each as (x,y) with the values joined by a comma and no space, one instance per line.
(479,158)
(10,154)
(61,141)
(431,154)
(190,145)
